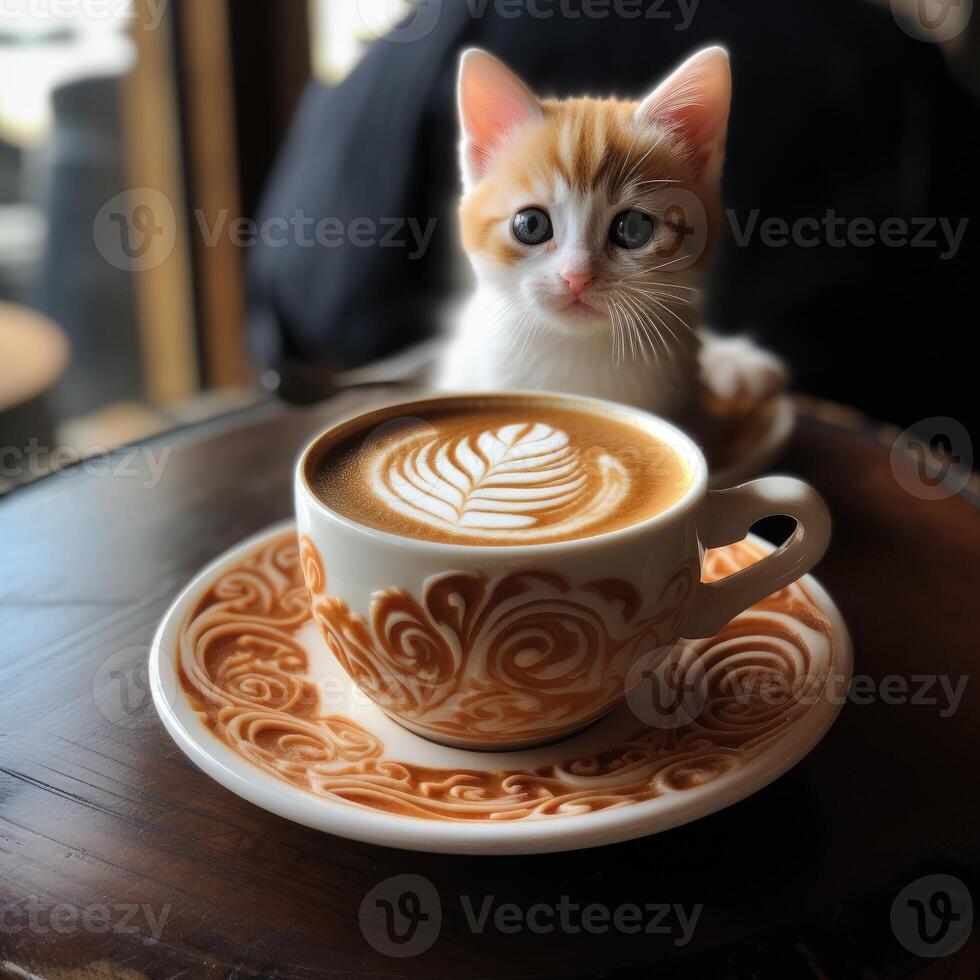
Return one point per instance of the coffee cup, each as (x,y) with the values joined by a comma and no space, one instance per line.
(488,567)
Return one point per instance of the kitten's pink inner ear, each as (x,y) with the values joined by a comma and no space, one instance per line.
(493,102)
(695,102)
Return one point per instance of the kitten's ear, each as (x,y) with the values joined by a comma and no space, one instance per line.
(493,102)
(695,102)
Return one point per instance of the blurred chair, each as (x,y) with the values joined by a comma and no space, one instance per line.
(34,353)
(92,299)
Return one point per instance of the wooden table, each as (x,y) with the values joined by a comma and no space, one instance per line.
(116,851)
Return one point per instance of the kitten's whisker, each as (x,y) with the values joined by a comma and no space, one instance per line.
(508,304)
(666,326)
(672,312)
(531,332)
(613,309)
(668,354)
(644,273)
(516,330)
(674,285)
(635,332)
(624,332)
(630,330)
(679,258)
(670,330)
(500,314)
(673,299)
(654,294)
(635,275)
(658,333)
(641,330)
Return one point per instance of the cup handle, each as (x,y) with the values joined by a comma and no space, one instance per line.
(726,518)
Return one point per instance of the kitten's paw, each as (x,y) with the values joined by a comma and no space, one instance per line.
(736,369)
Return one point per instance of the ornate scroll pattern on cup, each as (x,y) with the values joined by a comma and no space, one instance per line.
(511,659)
(521,482)
(312,565)
(246,674)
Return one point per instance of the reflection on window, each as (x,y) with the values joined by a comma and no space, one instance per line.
(342,29)
(74,368)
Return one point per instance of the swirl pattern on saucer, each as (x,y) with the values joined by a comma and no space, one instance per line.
(521,480)
(246,673)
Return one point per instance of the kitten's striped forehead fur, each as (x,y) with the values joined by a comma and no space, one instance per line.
(580,147)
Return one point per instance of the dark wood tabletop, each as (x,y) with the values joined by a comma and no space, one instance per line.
(119,858)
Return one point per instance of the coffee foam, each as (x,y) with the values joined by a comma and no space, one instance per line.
(514,473)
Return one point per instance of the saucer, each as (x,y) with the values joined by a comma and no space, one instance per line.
(750,444)
(249,690)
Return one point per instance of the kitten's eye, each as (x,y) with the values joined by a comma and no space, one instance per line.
(532,226)
(632,229)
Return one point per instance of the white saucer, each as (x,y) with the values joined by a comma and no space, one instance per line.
(277,721)
(756,456)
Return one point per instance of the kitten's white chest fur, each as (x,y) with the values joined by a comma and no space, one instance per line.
(489,352)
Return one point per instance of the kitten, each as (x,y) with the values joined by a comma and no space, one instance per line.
(589,225)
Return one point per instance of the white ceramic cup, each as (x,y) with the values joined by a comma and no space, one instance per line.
(504,647)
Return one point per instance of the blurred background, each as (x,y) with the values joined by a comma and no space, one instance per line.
(208,203)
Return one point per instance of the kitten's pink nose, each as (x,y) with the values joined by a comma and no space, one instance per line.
(576,281)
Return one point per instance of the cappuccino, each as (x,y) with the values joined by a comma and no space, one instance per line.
(496,470)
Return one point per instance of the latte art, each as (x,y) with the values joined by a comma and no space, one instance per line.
(524,477)
(499,471)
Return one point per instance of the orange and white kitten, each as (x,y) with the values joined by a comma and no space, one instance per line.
(589,224)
